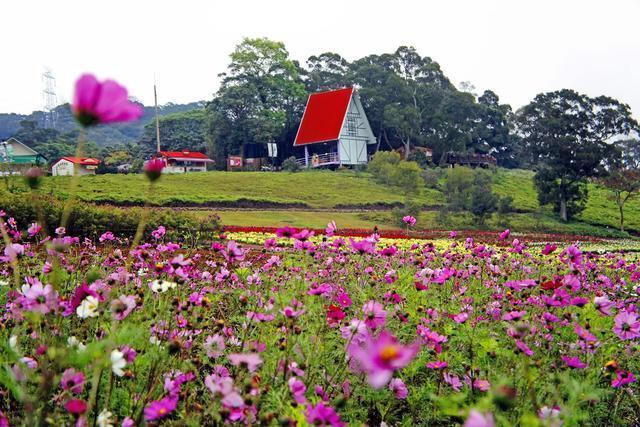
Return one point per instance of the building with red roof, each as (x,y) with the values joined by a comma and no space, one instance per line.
(67,166)
(334,130)
(184,161)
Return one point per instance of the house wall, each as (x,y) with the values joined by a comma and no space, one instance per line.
(179,167)
(67,168)
(62,168)
(354,136)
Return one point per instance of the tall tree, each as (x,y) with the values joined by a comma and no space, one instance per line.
(259,100)
(326,71)
(568,135)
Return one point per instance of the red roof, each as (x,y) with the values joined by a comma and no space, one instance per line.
(88,161)
(183,155)
(323,116)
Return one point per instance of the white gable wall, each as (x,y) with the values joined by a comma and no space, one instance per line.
(355,135)
(62,168)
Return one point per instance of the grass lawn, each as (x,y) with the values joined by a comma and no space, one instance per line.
(327,190)
(316,189)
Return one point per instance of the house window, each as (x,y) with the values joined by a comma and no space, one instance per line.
(352,124)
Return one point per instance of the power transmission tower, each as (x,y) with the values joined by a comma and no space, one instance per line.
(50,99)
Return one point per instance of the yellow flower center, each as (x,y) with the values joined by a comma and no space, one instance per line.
(389,353)
(162,411)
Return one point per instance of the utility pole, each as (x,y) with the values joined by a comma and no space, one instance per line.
(155,97)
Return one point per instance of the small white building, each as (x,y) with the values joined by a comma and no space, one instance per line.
(184,161)
(334,130)
(68,166)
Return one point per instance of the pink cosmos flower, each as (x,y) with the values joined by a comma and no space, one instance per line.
(250,360)
(549,249)
(398,387)
(72,380)
(572,256)
(374,314)
(627,326)
(214,346)
(477,419)
(363,246)
(97,102)
(438,364)
(34,229)
(233,252)
(381,356)
(331,229)
(160,408)
(505,234)
(39,298)
(123,306)
(409,220)
(159,232)
(603,305)
(153,169)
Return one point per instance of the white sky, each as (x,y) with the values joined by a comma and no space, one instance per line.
(516,48)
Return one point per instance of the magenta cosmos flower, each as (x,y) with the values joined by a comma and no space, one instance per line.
(160,408)
(321,415)
(380,357)
(97,102)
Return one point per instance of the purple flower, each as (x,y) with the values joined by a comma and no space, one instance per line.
(76,406)
(72,380)
(160,408)
(381,356)
(374,314)
(397,386)
(574,362)
(321,415)
(505,234)
(627,326)
(623,378)
(97,102)
(298,390)
(214,346)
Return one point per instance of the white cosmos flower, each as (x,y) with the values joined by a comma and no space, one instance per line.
(104,419)
(4,283)
(160,285)
(118,362)
(88,307)
(13,343)
(72,341)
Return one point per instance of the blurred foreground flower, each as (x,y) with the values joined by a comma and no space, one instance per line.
(97,102)
(153,169)
(33,177)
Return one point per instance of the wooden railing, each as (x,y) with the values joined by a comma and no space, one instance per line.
(320,160)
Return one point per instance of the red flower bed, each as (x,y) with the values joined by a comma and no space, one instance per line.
(484,236)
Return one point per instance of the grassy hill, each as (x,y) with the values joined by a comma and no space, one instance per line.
(325,190)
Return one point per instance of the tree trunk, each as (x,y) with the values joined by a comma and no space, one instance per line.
(621,207)
(407,147)
(563,206)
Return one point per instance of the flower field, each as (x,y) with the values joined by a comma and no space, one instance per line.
(324,327)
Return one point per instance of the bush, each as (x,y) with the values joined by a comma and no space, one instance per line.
(90,220)
(458,188)
(431,178)
(505,205)
(420,158)
(387,168)
(291,165)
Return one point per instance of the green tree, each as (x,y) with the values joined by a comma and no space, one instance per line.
(259,101)
(178,132)
(566,134)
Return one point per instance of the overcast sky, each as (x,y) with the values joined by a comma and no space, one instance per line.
(516,48)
